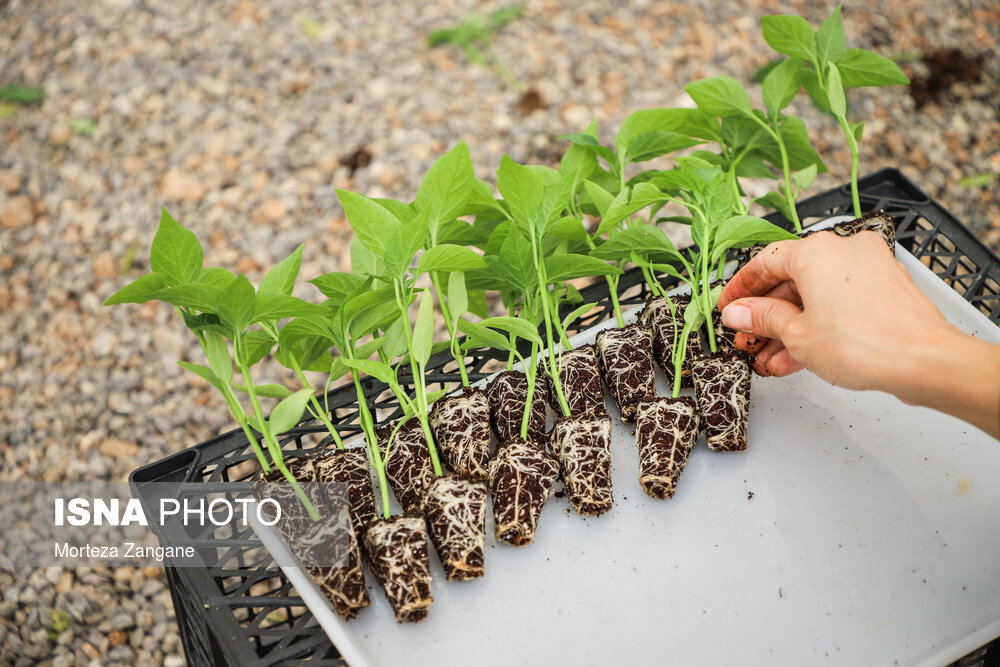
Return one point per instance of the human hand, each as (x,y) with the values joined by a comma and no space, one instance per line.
(847,311)
(843,307)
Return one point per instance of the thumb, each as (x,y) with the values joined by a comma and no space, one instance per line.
(761,315)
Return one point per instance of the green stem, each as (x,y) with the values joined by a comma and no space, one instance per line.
(368,426)
(316,409)
(530,375)
(853,143)
(789,194)
(420,391)
(272,443)
(452,329)
(706,300)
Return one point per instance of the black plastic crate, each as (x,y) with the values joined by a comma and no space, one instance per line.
(241,610)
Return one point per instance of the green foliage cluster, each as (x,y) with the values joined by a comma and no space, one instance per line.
(598,212)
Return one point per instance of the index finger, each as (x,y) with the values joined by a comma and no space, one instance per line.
(768,269)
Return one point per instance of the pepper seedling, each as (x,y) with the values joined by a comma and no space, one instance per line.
(449,190)
(474,36)
(219,307)
(830,69)
(540,260)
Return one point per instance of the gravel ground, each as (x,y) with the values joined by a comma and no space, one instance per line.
(242,117)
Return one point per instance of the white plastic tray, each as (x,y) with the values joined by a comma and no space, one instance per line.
(872,537)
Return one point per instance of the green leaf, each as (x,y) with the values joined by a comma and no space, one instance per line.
(204,298)
(281,278)
(560,268)
(782,84)
(791,35)
(266,390)
(215,275)
(800,152)
(448,257)
(20,94)
(628,202)
(367,311)
(555,200)
(568,228)
(591,143)
(337,285)
(576,314)
(860,68)
(478,305)
(579,161)
(514,325)
(740,231)
(720,96)
(175,252)
(692,122)
(522,188)
(364,262)
(268,307)
(234,305)
(288,413)
(407,240)
(646,240)
(977,180)
(217,351)
(835,90)
(256,346)
(397,208)
(649,145)
(775,201)
(204,373)
(602,198)
(810,81)
(141,290)
(478,336)
(423,329)
(379,370)
(830,43)
(805,177)
(858,130)
(504,15)
(373,224)
(446,186)
(458,295)
(516,263)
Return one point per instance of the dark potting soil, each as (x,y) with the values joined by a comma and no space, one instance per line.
(580,380)
(625,359)
(521,478)
(507,394)
(455,509)
(666,430)
(461,426)
(722,389)
(583,445)
(332,540)
(656,315)
(876,221)
(397,550)
(350,467)
(274,485)
(408,463)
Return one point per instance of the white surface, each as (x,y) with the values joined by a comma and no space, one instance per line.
(872,538)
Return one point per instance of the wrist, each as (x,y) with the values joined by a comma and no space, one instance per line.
(955,373)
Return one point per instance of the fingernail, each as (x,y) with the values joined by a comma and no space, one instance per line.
(737,317)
